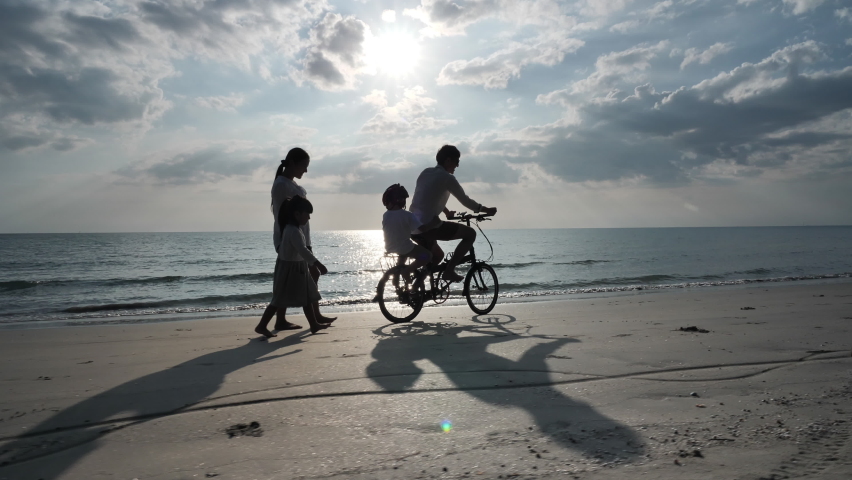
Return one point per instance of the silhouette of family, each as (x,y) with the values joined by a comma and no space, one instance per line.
(412,233)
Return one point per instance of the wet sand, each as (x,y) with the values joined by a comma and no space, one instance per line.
(613,386)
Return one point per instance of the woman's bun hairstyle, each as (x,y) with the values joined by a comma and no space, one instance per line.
(294,156)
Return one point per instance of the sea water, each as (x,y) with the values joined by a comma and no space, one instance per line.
(48,279)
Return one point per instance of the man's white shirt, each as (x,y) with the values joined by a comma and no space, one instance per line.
(433,189)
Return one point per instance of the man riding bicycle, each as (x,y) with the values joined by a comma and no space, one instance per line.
(433,189)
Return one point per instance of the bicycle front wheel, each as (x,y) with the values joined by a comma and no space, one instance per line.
(481,288)
(398,301)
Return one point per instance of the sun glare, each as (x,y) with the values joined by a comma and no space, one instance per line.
(394,54)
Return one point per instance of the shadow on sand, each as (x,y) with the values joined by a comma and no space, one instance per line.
(71,434)
(461,352)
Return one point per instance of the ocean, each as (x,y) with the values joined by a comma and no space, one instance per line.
(97,278)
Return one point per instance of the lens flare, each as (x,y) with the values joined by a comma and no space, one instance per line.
(446,425)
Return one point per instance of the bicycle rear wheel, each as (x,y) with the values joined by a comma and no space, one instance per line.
(399,301)
(481,288)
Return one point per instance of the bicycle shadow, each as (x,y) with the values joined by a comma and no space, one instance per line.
(468,364)
(72,433)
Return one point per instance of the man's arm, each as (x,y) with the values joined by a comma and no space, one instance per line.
(457,191)
(455,188)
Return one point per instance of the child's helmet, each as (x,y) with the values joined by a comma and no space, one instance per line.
(393,194)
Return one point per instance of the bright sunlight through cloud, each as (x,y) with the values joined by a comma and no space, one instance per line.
(393,54)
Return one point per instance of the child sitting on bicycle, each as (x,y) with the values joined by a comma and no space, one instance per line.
(398,224)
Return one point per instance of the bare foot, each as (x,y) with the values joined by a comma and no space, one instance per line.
(265,332)
(324,319)
(319,326)
(286,326)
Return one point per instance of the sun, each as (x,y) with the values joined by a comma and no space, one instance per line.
(394,53)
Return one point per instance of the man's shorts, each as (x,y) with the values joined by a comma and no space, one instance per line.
(445,231)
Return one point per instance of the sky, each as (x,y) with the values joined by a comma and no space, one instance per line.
(154,115)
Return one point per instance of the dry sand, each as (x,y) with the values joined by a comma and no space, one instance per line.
(596,387)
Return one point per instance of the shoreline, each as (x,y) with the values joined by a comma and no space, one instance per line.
(365,307)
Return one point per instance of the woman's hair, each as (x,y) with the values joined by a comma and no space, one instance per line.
(295,155)
(286,214)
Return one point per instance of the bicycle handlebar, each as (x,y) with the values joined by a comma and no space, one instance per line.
(467,217)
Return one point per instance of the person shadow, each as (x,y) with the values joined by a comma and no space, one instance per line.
(461,353)
(72,433)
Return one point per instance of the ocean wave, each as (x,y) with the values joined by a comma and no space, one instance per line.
(261,277)
(753,271)
(664,286)
(583,262)
(516,265)
(18,285)
(138,281)
(643,279)
(210,301)
(530,264)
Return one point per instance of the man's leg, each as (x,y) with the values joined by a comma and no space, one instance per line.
(467,236)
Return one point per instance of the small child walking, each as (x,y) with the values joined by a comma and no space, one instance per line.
(397,225)
(292,284)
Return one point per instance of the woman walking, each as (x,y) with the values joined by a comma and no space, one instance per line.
(294,165)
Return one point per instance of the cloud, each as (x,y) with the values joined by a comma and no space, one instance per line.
(803,6)
(611,70)
(625,26)
(497,69)
(231,30)
(336,53)
(448,17)
(844,14)
(603,8)
(408,116)
(224,103)
(19,133)
(87,63)
(209,164)
(693,55)
(764,118)
(445,17)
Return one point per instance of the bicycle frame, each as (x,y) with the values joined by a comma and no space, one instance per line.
(401,301)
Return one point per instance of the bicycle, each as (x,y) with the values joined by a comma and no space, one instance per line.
(401,299)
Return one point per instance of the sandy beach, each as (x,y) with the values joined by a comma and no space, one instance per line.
(749,382)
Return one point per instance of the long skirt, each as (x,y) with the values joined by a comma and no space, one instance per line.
(292,285)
